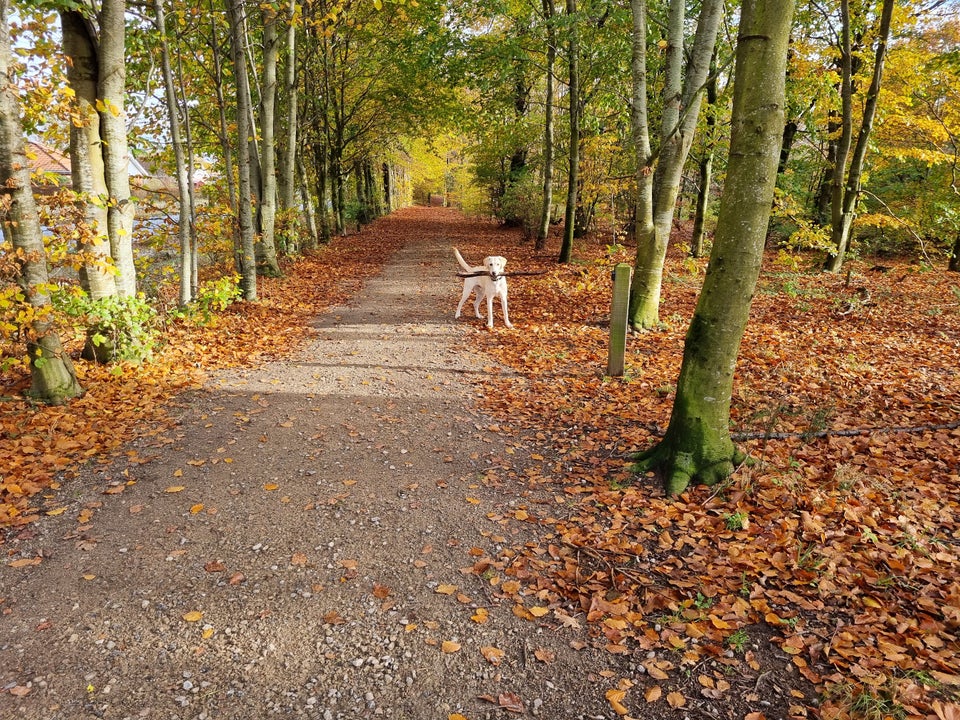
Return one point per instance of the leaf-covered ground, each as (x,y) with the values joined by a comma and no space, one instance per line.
(838,543)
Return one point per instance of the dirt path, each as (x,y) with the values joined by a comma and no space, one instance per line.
(310,566)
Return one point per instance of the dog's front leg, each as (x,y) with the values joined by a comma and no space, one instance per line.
(490,311)
(506,313)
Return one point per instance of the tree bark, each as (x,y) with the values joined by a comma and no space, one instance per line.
(266,247)
(247,255)
(116,156)
(52,377)
(543,231)
(705,166)
(86,158)
(313,232)
(846,193)
(682,95)
(183,185)
(697,445)
(640,130)
(573,168)
(288,163)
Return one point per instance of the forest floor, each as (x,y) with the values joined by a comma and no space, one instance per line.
(340,502)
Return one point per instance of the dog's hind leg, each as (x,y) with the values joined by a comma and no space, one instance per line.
(463,299)
(476,303)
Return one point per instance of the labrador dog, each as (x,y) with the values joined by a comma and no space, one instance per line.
(489,281)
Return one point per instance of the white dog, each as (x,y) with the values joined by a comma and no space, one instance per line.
(489,281)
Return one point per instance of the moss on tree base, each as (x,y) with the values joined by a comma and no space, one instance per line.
(678,462)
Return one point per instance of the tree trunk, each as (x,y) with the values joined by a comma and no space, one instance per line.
(266,247)
(52,377)
(116,156)
(640,130)
(320,166)
(183,185)
(845,201)
(248,265)
(86,158)
(697,445)
(954,265)
(224,132)
(190,204)
(387,189)
(682,95)
(288,166)
(573,169)
(705,166)
(313,232)
(543,231)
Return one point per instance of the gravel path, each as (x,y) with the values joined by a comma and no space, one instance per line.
(310,566)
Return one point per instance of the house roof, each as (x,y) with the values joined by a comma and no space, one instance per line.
(44,158)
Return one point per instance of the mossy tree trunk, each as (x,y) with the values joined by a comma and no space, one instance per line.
(53,379)
(697,445)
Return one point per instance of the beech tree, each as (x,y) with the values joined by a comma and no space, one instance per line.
(53,379)
(847,171)
(683,85)
(697,445)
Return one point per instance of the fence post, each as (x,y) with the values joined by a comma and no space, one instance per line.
(619,310)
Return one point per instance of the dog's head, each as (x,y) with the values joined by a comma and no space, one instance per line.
(495,265)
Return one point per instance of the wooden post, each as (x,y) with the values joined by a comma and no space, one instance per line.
(619,310)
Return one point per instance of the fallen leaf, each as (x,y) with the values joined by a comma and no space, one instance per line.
(25,562)
(269,487)
(214,566)
(481,616)
(446,589)
(544,655)
(653,693)
(19,691)
(298,559)
(510,702)
(193,616)
(615,698)
(194,509)
(492,655)
(449,646)
(676,700)
(175,489)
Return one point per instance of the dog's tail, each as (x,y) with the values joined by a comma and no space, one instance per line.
(463,263)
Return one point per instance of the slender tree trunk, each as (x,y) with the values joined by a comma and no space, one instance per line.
(845,197)
(387,189)
(705,166)
(954,265)
(190,206)
(52,377)
(573,169)
(266,245)
(697,445)
(183,185)
(224,131)
(644,232)
(86,158)
(288,165)
(312,231)
(116,156)
(248,264)
(323,194)
(682,95)
(543,231)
